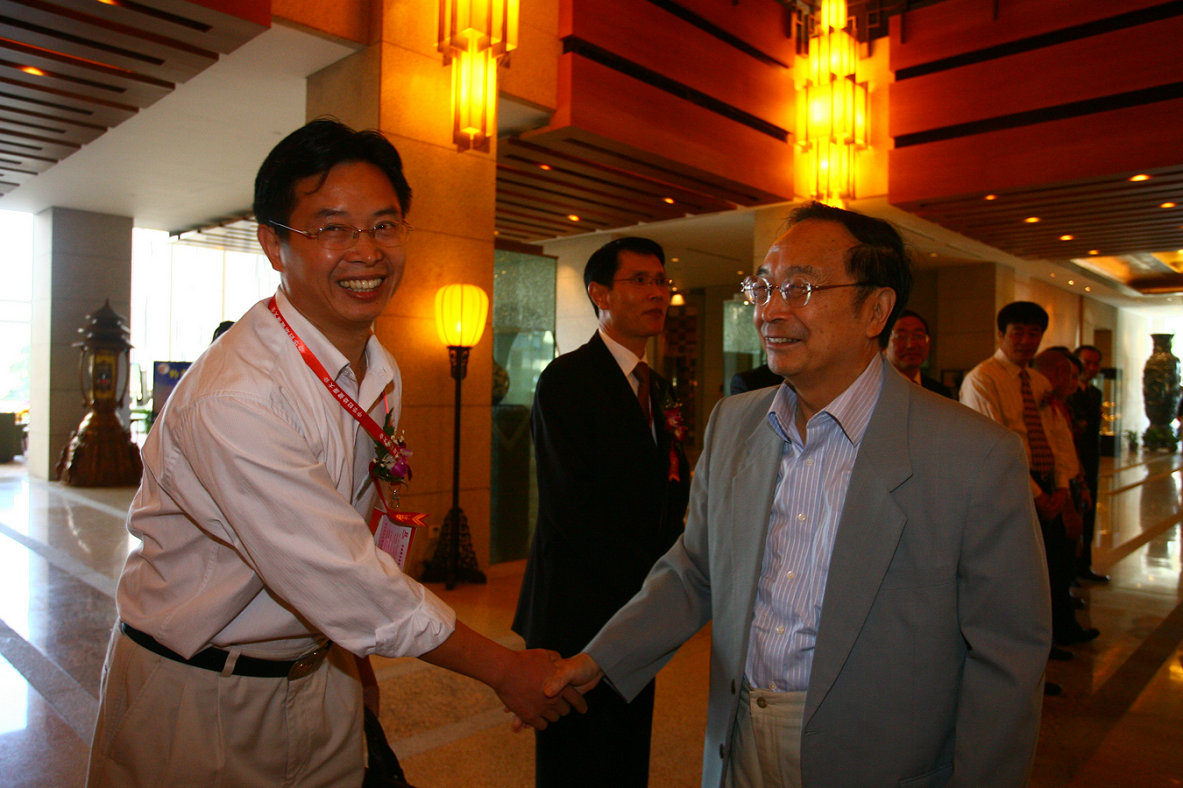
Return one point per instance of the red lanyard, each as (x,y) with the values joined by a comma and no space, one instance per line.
(342,397)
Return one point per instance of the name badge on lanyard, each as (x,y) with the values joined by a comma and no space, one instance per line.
(393,530)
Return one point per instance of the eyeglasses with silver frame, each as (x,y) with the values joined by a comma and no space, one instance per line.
(795,291)
(339,237)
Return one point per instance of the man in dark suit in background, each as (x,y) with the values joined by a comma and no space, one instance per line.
(1086,408)
(612,490)
(760,377)
(908,350)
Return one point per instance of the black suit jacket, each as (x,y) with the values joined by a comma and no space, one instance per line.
(607,509)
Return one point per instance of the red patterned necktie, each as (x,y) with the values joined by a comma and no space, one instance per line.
(1042,459)
(642,373)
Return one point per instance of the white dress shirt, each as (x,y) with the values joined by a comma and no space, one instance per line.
(993,389)
(254,505)
(806,508)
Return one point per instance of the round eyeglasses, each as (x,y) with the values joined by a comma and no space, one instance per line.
(339,237)
(795,291)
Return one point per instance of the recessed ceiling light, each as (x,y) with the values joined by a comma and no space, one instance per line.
(1031,219)
(991,197)
(33,70)
(1167,205)
(544,166)
(1094,251)
(1067,237)
(573,217)
(668,200)
(1053,274)
(1088,289)
(739,273)
(1140,177)
(1071,281)
(673,259)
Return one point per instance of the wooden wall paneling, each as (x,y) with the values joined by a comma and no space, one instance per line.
(670,133)
(1123,60)
(1118,141)
(954,27)
(220,25)
(645,34)
(625,187)
(765,24)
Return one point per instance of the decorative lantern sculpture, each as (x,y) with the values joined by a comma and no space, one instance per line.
(101,452)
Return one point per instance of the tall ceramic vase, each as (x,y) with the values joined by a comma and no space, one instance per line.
(1160,392)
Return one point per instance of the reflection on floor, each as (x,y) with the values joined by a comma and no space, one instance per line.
(1119,721)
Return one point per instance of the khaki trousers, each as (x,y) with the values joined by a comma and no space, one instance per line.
(766,742)
(163,723)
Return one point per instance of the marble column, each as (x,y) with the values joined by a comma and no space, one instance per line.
(80,259)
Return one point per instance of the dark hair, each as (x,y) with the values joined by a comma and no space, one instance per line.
(603,264)
(1093,348)
(910,313)
(1066,353)
(879,259)
(1022,313)
(314,149)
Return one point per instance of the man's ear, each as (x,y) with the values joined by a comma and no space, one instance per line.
(882,302)
(269,240)
(598,294)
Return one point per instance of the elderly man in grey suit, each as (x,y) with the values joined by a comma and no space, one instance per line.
(867,551)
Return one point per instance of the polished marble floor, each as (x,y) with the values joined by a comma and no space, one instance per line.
(1118,722)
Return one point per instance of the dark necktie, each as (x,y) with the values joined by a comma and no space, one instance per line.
(642,373)
(1042,460)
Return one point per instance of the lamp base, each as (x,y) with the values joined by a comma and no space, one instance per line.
(454,560)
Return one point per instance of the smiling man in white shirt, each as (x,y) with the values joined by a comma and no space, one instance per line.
(253,511)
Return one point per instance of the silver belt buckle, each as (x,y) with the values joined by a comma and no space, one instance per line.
(307,663)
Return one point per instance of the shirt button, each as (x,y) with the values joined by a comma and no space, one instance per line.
(809,462)
(790,574)
(772,687)
(761,702)
(801,517)
(780,630)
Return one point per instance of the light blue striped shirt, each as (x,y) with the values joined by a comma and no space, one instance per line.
(810,491)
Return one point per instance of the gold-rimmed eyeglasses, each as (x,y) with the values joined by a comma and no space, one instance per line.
(339,237)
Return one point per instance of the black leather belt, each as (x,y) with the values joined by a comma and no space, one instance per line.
(215,658)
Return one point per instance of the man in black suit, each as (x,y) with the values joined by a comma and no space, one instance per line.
(613,485)
(908,350)
(760,377)
(1085,405)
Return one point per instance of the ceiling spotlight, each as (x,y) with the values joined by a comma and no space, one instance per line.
(1140,177)
(1071,281)
(1167,205)
(573,217)
(1053,274)
(1031,219)
(668,200)
(739,273)
(1067,237)
(991,197)
(1094,251)
(673,259)
(33,70)
(677,299)
(544,166)
(1088,289)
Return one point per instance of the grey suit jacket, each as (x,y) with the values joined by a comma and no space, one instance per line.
(935,626)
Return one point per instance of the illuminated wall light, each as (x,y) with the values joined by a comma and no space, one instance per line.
(1140,177)
(677,299)
(831,106)
(1094,251)
(1031,219)
(474,37)
(1067,237)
